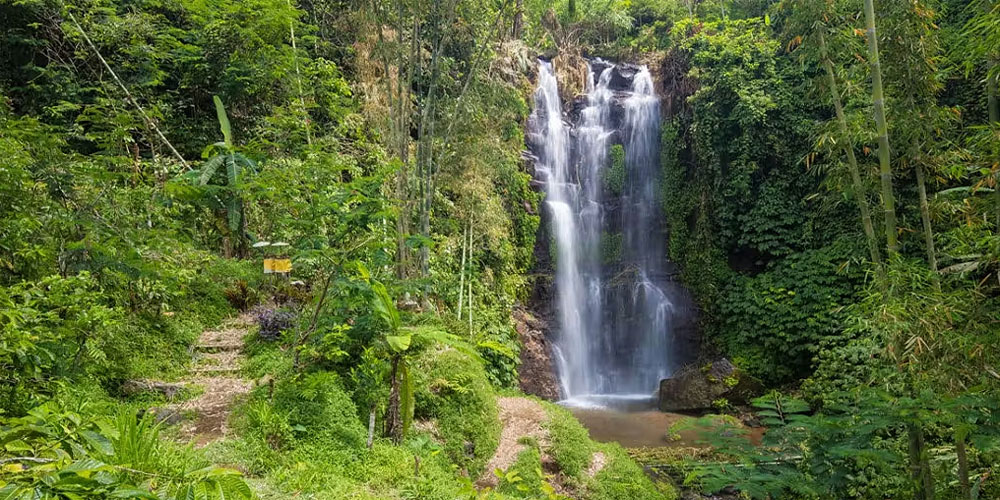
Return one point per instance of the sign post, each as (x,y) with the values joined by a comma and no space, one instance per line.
(275,260)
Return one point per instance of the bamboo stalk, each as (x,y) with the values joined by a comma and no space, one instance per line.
(128,95)
(298,79)
(928,232)
(461,274)
(852,162)
(470,276)
(371,427)
(878,100)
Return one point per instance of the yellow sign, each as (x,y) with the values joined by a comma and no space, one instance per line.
(278,266)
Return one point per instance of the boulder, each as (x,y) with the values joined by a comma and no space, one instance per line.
(134,387)
(164,415)
(697,386)
(622,76)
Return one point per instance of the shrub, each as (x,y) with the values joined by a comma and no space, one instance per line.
(614,176)
(452,388)
(570,444)
(52,329)
(623,479)
(773,323)
(273,321)
(524,479)
(240,295)
(316,406)
(74,456)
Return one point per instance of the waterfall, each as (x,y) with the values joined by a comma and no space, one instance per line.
(574,206)
(615,314)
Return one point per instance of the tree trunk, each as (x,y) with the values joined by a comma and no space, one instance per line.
(925,468)
(393,420)
(992,104)
(878,99)
(425,135)
(915,438)
(371,427)
(396,92)
(461,278)
(963,468)
(518,19)
(925,216)
(920,471)
(852,162)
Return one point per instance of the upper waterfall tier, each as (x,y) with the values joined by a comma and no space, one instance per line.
(616,305)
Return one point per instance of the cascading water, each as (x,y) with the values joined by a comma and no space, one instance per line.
(575,211)
(615,312)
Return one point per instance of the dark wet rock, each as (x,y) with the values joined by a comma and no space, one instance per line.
(164,415)
(537,371)
(622,76)
(697,386)
(135,387)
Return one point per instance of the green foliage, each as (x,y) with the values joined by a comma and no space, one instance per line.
(749,189)
(569,442)
(49,330)
(614,176)
(498,344)
(219,186)
(524,479)
(51,453)
(622,479)
(774,323)
(611,247)
(315,405)
(853,449)
(451,388)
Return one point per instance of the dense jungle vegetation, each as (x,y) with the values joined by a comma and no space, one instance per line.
(830,180)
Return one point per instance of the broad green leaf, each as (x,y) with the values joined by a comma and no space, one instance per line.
(227,132)
(399,343)
(98,441)
(130,492)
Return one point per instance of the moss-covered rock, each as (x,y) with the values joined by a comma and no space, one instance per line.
(622,479)
(698,387)
(569,442)
(451,388)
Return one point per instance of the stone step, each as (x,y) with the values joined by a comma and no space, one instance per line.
(218,370)
(218,346)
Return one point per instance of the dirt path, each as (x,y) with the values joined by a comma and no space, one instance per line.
(525,418)
(520,418)
(217,359)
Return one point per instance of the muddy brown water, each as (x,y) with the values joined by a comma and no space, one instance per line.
(642,429)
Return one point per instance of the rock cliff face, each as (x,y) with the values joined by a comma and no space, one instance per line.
(537,376)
